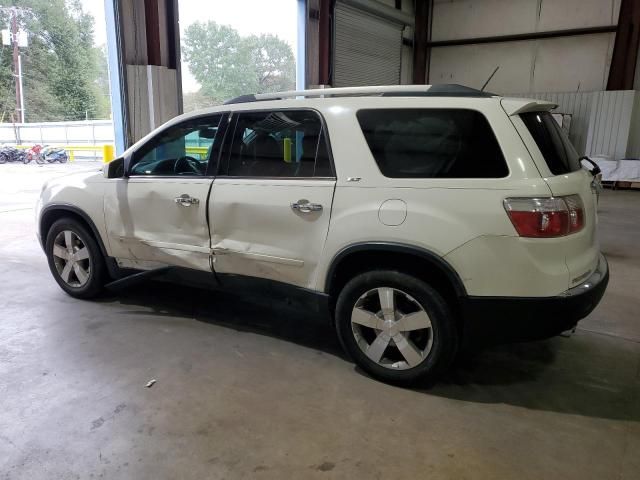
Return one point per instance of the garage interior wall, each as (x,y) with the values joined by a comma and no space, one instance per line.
(567,63)
(556,50)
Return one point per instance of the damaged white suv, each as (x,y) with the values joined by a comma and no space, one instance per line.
(423,218)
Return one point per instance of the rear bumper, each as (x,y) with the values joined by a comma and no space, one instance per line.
(492,320)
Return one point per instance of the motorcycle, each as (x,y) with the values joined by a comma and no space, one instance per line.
(54,154)
(12,154)
(33,153)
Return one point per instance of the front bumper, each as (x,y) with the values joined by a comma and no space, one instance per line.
(494,320)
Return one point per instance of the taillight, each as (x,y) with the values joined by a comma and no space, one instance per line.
(546,217)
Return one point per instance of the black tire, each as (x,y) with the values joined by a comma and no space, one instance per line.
(3,157)
(96,264)
(443,332)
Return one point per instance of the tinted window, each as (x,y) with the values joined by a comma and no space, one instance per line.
(554,145)
(277,144)
(432,143)
(181,150)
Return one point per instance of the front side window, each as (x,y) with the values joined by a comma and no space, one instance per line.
(554,145)
(181,150)
(283,144)
(432,143)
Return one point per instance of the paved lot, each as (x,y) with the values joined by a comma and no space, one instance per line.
(258,390)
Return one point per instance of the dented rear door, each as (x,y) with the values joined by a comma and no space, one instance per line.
(271,201)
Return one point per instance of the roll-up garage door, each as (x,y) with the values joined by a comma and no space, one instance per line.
(367,48)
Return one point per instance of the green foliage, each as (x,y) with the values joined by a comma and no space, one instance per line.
(101,83)
(197,101)
(227,64)
(63,71)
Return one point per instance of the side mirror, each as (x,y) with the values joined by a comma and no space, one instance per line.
(115,168)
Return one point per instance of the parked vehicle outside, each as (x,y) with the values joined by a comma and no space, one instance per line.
(54,154)
(38,153)
(422,219)
(12,154)
(34,154)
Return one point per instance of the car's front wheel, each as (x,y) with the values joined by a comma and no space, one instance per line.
(396,327)
(75,259)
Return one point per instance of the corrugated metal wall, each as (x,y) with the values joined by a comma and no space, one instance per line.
(600,121)
(610,123)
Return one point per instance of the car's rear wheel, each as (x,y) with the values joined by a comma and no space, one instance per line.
(396,327)
(75,260)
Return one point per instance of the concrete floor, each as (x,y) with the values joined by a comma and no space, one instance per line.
(249,390)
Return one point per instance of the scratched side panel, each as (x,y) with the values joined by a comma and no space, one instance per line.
(145,224)
(255,231)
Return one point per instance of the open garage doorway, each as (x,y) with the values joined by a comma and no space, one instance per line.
(54,83)
(235,48)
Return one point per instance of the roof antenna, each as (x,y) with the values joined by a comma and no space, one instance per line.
(489,79)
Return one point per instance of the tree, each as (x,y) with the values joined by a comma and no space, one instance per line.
(101,83)
(197,101)
(61,65)
(274,63)
(228,65)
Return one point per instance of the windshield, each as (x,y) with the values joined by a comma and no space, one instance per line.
(553,143)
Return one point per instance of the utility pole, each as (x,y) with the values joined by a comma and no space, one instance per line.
(17,66)
(17,38)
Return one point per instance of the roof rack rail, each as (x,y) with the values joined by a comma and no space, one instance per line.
(445,90)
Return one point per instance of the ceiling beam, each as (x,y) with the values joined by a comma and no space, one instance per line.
(526,36)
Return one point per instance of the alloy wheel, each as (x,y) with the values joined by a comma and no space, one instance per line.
(71,258)
(391,328)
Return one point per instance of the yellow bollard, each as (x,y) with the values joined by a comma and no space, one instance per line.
(107,153)
(72,157)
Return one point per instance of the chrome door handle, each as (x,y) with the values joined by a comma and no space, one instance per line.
(303,206)
(186,201)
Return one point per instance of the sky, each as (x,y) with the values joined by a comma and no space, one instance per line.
(278,17)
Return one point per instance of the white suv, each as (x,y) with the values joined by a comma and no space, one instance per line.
(424,219)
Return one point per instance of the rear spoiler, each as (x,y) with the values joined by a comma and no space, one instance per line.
(516,106)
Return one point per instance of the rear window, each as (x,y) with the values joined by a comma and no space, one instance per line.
(554,145)
(432,143)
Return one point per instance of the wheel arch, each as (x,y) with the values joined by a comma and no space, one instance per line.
(51,213)
(422,263)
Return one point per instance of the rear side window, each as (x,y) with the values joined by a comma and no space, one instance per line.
(554,145)
(280,144)
(432,143)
